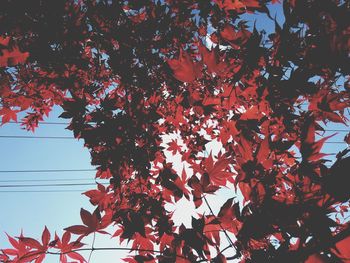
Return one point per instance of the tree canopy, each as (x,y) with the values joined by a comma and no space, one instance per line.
(127,74)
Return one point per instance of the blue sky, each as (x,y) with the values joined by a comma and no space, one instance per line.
(57,210)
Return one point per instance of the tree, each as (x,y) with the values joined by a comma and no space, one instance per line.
(128,73)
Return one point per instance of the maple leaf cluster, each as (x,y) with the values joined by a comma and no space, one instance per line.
(133,75)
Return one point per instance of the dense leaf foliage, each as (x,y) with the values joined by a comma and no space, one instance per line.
(132,74)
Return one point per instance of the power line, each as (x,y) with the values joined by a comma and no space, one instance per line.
(41,122)
(337,142)
(44,185)
(34,137)
(67,123)
(62,137)
(46,180)
(45,191)
(337,130)
(47,171)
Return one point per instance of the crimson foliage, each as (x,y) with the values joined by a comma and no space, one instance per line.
(130,73)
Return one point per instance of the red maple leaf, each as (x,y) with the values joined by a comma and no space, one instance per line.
(39,251)
(13,57)
(140,242)
(342,249)
(4,41)
(181,183)
(93,223)
(184,68)
(227,216)
(235,38)
(315,258)
(230,4)
(7,115)
(174,147)
(66,248)
(309,148)
(211,58)
(19,249)
(100,197)
(103,174)
(217,171)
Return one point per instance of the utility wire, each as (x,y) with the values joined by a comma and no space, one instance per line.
(42,122)
(47,180)
(337,130)
(34,137)
(45,191)
(61,137)
(336,142)
(44,185)
(67,123)
(47,171)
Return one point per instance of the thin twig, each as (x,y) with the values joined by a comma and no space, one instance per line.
(92,247)
(227,236)
(97,249)
(222,251)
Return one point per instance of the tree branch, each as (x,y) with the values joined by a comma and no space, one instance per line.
(223,229)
